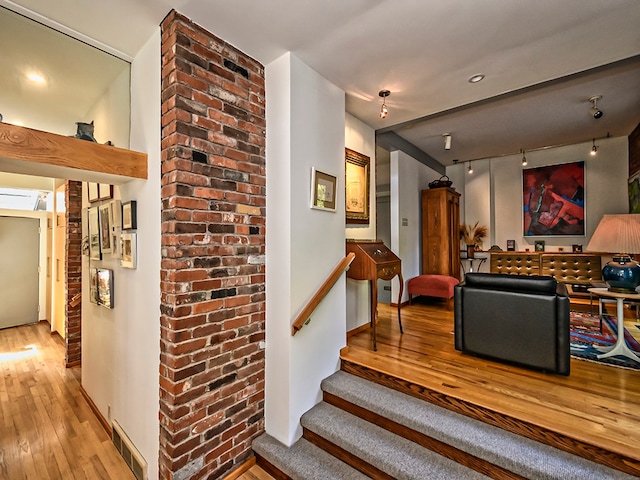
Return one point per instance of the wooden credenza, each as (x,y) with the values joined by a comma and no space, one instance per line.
(441,232)
(373,261)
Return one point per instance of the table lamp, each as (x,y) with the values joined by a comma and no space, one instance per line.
(619,233)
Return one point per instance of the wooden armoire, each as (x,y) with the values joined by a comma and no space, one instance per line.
(441,232)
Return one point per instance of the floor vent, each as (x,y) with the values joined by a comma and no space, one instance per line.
(129,452)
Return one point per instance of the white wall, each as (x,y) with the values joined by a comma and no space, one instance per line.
(305,128)
(110,113)
(121,347)
(361,138)
(408,178)
(493,193)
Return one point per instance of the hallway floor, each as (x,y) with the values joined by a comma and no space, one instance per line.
(47,430)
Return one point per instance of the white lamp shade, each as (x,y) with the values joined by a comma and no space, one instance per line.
(617,234)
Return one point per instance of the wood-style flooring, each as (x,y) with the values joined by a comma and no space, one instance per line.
(47,430)
(595,411)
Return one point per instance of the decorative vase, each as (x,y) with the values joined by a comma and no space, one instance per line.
(471,251)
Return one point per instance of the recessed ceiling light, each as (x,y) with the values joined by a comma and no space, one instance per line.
(476,78)
(34,77)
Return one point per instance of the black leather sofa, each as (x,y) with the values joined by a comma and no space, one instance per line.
(517,319)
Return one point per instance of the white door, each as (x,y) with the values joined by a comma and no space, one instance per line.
(19,254)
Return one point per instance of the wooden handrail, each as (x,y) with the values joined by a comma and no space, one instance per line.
(303,318)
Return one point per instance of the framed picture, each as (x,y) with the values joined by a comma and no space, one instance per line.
(105,228)
(94,234)
(356,187)
(93,285)
(576,248)
(115,218)
(105,191)
(539,245)
(553,200)
(105,287)
(93,193)
(511,245)
(129,250)
(323,190)
(129,221)
(634,193)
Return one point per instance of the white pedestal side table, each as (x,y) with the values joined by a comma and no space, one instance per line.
(620,348)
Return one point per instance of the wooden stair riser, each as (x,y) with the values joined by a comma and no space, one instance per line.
(452,453)
(506,422)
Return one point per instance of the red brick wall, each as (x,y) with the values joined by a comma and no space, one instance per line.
(73,260)
(634,151)
(213,245)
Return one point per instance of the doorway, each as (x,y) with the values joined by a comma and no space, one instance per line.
(19,292)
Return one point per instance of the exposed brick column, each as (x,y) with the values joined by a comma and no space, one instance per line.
(73,261)
(213,245)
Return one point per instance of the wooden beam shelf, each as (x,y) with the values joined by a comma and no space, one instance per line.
(33,152)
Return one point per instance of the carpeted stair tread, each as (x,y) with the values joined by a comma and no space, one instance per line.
(513,452)
(396,456)
(303,460)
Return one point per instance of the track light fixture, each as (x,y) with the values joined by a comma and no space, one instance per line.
(383,110)
(594,148)
(524,159)
(597,113)
(447,141)
(469,169)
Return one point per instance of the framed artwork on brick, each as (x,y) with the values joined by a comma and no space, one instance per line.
(129,217)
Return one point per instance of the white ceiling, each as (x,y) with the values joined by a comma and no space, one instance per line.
(423,51)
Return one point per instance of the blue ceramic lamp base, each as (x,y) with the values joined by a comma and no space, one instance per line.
(622,274)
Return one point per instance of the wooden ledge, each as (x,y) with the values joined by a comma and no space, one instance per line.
(33,152)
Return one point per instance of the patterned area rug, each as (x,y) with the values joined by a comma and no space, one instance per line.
(586,337)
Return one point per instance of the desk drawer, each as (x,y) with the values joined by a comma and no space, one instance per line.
(388,271)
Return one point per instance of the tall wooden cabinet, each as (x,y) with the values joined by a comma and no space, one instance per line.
(440,232)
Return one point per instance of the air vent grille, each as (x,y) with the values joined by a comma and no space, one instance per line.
(129,452)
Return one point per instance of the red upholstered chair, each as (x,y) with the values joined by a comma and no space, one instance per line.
(440,286)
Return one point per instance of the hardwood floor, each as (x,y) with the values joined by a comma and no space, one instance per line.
(594,412)
(47,430)
(255,473)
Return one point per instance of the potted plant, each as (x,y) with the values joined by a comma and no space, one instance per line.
(472,236)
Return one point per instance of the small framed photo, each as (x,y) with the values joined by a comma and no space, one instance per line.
(511,245)
(539,245)
(105,287)
(323,190)
(105,191)
(93,193)
(93,285)
(129,250)
(129,221)
(577,248)
(115,217)
(94,234)
(105,228)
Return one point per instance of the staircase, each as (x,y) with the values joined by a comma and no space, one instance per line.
(362,429)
